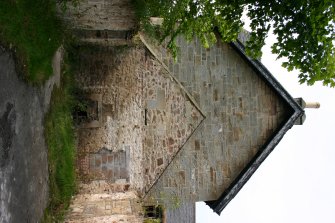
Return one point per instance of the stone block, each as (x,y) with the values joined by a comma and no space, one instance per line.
(196,145)
(116,174)
(170,141)
(160,99)
(97,162)
(104,171)
(110,174)
(152,104)
(124,173)
(160,161)
(182,178)
(104,158)
(108,205)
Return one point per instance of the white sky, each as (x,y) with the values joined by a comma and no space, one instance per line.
(296,183)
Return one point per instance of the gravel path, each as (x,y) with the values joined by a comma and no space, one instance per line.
(23,152)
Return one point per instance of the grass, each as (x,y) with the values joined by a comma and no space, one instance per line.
(59,132)
(32,29)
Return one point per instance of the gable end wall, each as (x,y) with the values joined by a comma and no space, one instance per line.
(241,111)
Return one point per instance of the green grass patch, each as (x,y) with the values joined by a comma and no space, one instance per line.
(59,132)
(32,28)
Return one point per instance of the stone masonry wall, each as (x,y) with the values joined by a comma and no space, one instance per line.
(241,111)
(139,118)
(100,15)
(146,117)
(113,150)
(170,119)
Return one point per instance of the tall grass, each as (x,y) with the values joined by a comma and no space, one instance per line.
(32,28)
(59,132)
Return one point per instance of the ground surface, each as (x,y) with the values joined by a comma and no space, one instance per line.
(23,152)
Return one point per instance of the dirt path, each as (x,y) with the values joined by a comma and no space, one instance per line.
(23,152)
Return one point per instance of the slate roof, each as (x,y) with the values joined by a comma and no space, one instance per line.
(219,204)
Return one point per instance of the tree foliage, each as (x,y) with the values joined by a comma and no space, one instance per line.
(305,29)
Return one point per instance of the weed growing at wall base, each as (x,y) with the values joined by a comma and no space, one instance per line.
(59,132)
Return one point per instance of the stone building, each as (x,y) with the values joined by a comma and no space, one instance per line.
(164,132)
